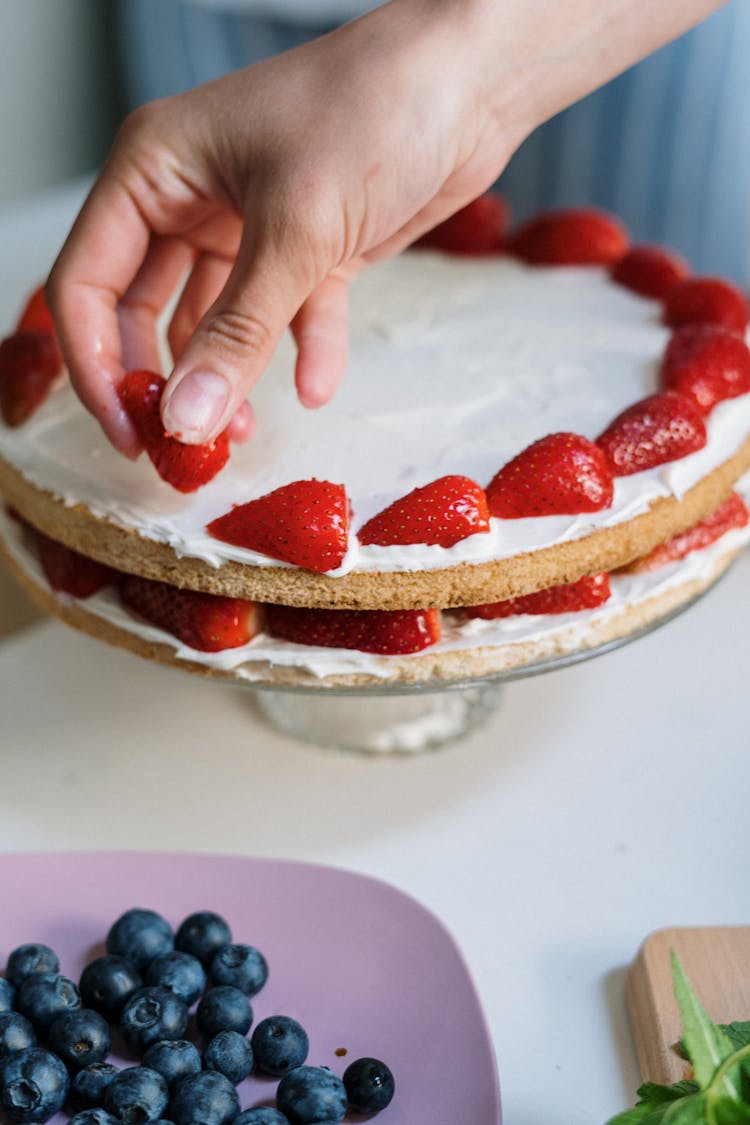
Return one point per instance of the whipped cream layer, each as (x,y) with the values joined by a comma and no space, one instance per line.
(551,634)
(456,365)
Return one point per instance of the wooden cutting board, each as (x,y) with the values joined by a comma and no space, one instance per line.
(716,960)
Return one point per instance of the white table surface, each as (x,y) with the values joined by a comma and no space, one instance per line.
(601,802)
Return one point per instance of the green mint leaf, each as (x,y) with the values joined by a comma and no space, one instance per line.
(738,1032)
(652,1093)
(706,1044)
(725,1111)
(642,1114)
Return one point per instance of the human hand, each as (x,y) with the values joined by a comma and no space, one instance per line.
(270,188)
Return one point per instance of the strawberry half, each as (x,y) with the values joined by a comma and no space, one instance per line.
(707,300)
(186,467)
(206,622)
(730,514)
(561,474)
(395,632)
(478,228)
(586,593)
(70,572)
(36,317)
(442,512)
(574,237)
(305,523)
(660,428)
(706,363)
(650,271)
(30,361)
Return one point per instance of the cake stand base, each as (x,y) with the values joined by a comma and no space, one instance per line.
(380,723)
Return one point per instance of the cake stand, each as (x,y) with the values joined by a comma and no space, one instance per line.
(408,718)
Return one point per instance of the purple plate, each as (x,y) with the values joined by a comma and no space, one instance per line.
(365,968)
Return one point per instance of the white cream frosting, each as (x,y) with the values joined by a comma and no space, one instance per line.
(551,633)
(456,365)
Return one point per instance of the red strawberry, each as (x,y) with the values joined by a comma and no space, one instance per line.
(706,300)
(651,271)
(443,512)
(36,317)
(732,513)
(206,622)
(570,238)
(586,593)
(561,474)
(660,428)
(305,523)
(29,364)
(706,363)
(69,571)
(478,228)
(394,632)
(185,467)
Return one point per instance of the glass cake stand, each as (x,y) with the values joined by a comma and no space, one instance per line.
(409,718)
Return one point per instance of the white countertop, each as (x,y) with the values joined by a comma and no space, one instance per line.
(600,803)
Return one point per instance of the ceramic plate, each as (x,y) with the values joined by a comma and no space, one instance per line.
(364,968)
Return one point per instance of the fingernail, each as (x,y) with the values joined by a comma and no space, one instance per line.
(196,405)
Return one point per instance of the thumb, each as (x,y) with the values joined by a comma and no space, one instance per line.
(233,343)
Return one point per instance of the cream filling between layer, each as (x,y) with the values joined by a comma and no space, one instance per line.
(456,365)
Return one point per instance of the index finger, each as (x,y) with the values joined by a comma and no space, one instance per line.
(94,269)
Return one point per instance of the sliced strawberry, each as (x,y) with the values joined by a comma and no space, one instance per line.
(586,593)
(389,632)
(30,362)
(70,572)
(730,514)
(706,363)
(478,228)
(707,300)
(206,622)
(574,237)
(660,428)
(650,271)
(305,523)
(186,467)
(442,512)
(561,474)
(36,317)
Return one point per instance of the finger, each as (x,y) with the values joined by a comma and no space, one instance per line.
(207,279)
(97,264)
(242,425)
(320,330)
(236,338)
(143,302)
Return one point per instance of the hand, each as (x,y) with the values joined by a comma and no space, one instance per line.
(270,188)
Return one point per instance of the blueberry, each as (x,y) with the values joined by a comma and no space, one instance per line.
(369,1085)
(224,1008)
(34,1086)
(151,1014)
(136,1095)
(140,936)
(244,966)
(16,1033)
(175,1059)
(28,959)
(202,934)
(208,1098)
(7,992)
(80,1038)
(230,1054)
(311,1095)
(180,972)
(45,996)
(88,1085)
(262,1115)
(107,982)
(279,1044)
(94,1116)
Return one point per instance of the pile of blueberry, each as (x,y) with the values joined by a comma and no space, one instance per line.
(55,1037)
